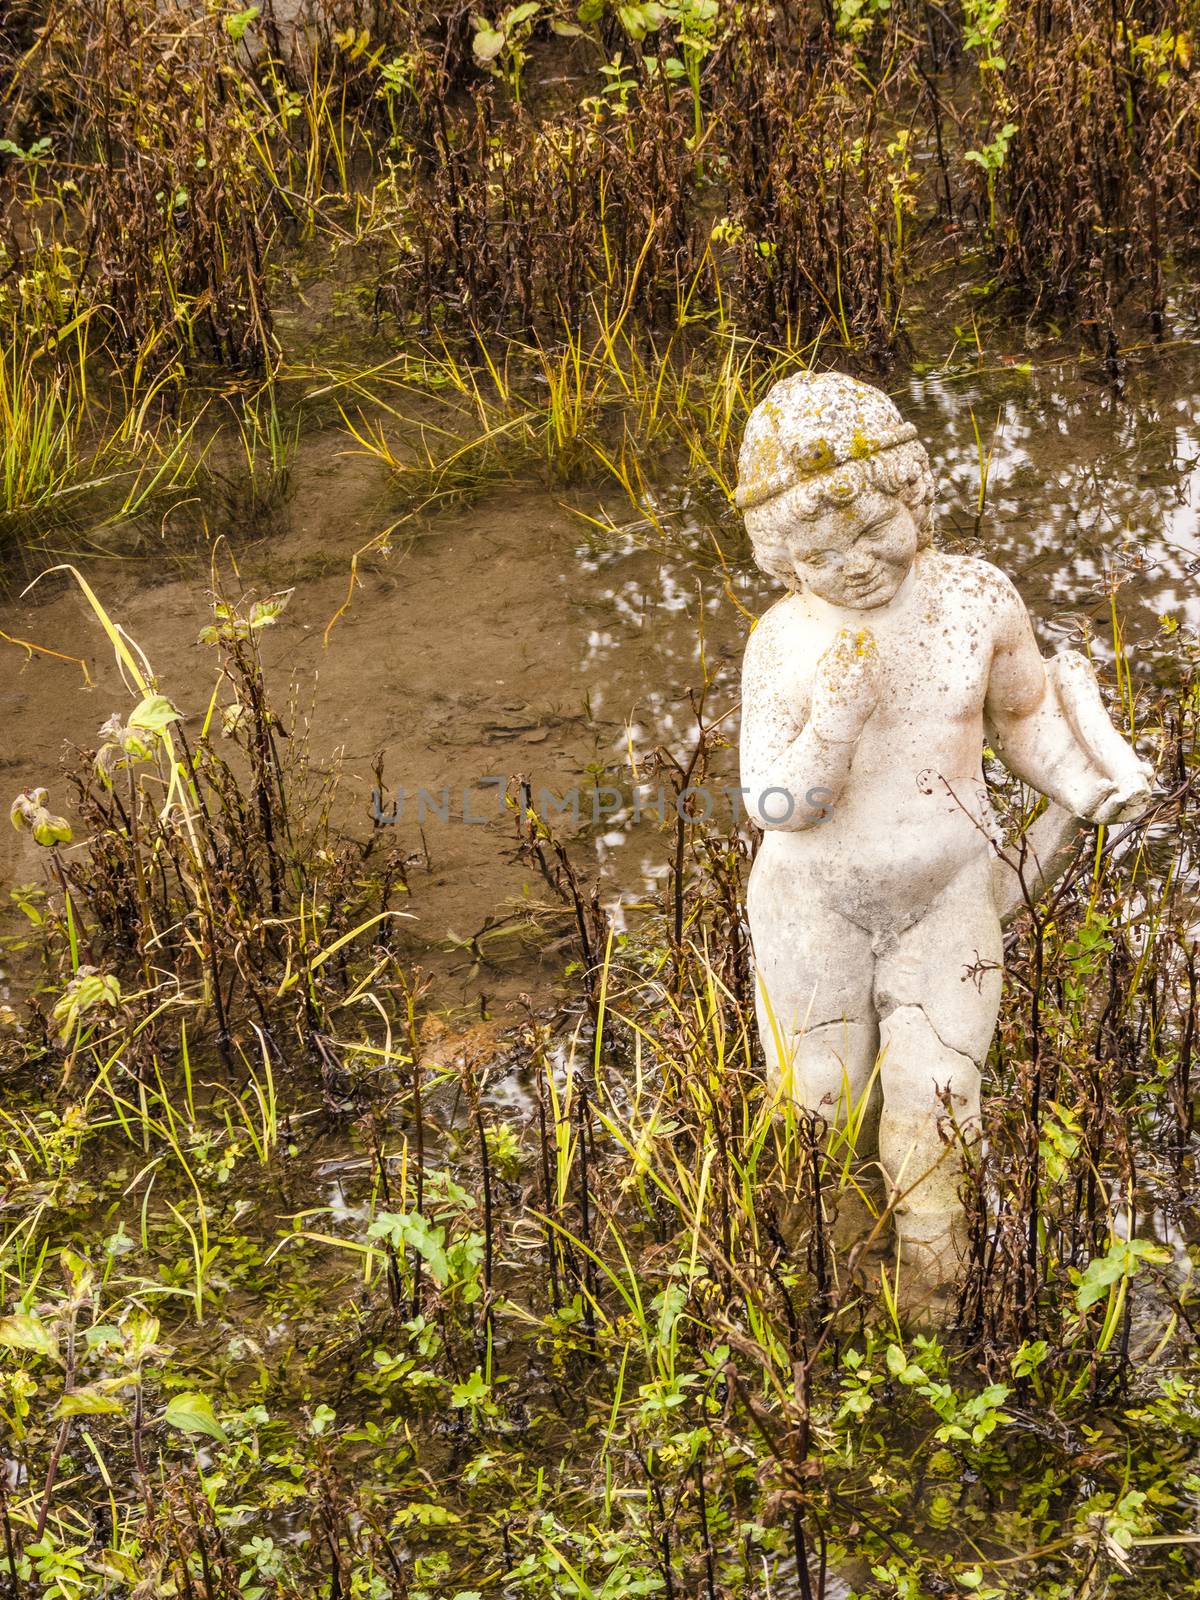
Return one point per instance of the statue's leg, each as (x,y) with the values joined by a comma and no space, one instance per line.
(937,991)
(815,1015)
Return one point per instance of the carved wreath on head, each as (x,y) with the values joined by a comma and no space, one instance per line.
(822,438)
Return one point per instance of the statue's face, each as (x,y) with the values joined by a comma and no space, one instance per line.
(856,555)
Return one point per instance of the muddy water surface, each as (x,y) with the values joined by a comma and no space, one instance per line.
(511,638)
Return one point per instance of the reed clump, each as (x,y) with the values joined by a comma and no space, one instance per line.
(129,186)
(210,893)
(791,171)
(1087,164)
(757,203)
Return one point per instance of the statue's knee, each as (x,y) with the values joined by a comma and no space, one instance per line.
(822,1087)
(827,1069)
(834,1067)
(919,1070)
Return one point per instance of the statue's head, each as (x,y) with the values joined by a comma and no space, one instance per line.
(836,489)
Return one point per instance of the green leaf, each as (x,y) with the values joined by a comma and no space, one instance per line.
(37,149)
(154,713)
(29,811)
(88,1402)
(116,1564)
(140,1332)
(1121,1261)
(27,1332)
(1099,1277)
(265,613)
(236,26)
(474,1391)
(101,1335)
(1148,1250)
(635,21)
(321,1420)
(48,830)
(193,1413)
(426,1514)
(77,1268)
(1029,1358)
(487,45)
(412,1229)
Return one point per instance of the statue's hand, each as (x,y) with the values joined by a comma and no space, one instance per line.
(1128,800)
(1126,790)
(846,686)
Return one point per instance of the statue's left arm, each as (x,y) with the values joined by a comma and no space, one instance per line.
(1049,724)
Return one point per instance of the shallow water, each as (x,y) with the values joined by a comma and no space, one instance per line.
(510,638)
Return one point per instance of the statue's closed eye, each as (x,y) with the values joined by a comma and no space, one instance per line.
(877,526)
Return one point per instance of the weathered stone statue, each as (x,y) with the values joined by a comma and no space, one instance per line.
(876,897)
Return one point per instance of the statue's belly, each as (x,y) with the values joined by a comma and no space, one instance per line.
(880,869)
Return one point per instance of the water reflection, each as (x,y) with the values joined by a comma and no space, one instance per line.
(1081,485)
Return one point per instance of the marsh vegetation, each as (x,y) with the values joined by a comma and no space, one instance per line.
(355,1248)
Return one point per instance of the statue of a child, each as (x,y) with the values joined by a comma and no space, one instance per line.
(869,687)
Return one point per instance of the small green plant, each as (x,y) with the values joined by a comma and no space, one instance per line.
(855,19)
(501,46)
(983,20)
(990,159)
(695,24)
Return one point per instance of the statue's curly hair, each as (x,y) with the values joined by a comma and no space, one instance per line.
(903,471)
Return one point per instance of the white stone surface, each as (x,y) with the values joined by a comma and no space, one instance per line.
(876,897)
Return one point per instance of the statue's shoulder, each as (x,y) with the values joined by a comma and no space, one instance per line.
(972,582)
(778,633)
(787,614)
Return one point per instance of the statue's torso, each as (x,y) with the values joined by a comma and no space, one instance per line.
(914,810)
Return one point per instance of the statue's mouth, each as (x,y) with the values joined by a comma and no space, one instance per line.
(861,586)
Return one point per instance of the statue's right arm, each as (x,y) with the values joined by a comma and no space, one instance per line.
(782,752)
